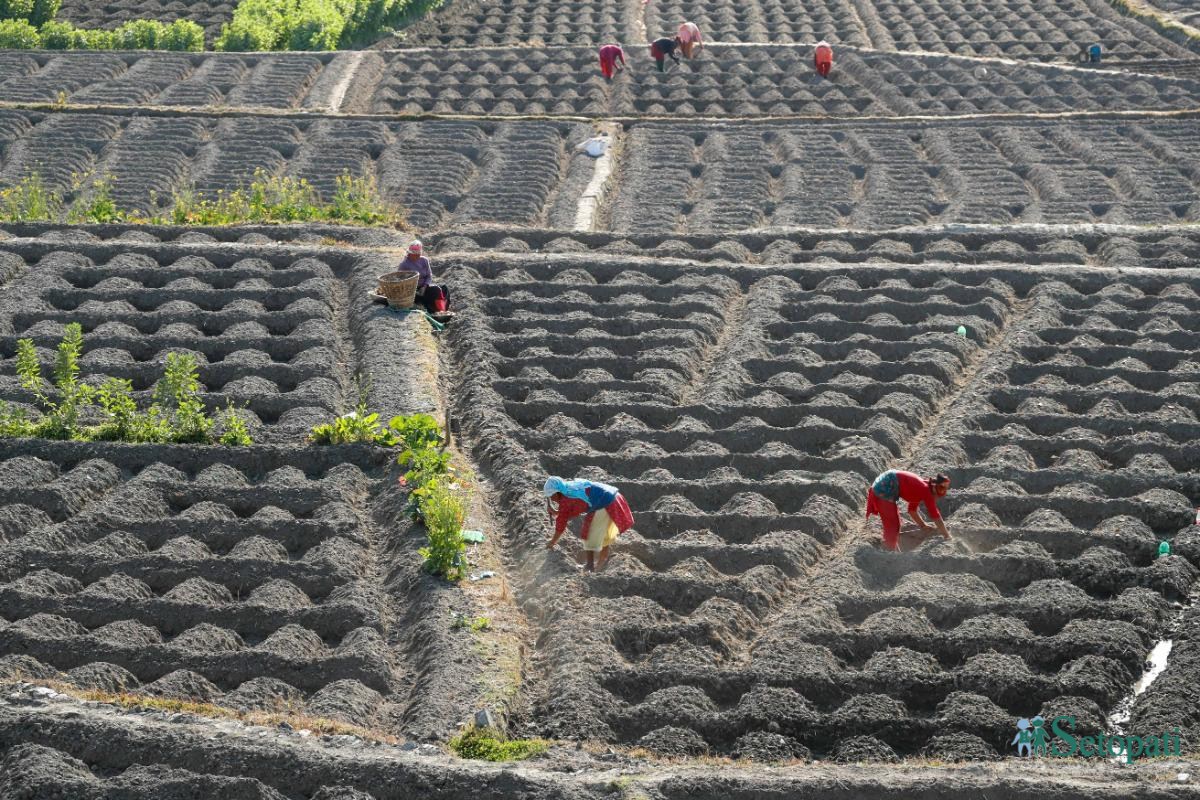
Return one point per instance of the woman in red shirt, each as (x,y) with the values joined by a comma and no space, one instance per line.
(608,514)
(895,485)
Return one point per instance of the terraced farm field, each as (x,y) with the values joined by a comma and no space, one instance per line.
(688,650)
(727,82)
(209,14)
(963,251)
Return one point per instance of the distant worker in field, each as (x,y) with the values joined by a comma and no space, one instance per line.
(823,58)
(435,298)
(689,39)
(895,485)
(612,60)
(661,48)
(608,515)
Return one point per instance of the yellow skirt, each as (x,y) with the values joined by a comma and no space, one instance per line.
(601,533)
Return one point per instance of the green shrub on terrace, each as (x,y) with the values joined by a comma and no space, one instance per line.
(184,36)
(18,34)
(96,39)
(140,34)
(44,11)
(150,34)
(35,12)
(61,36)
(312,24)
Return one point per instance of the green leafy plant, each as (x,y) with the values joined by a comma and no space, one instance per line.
(115,397)
(180,387)
(61,412)
(444,512)
(236,434)
(358,427)
(416,431)
(14,422)
(489,744)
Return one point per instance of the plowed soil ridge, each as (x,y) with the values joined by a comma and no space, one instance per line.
(269,577)
(669,622)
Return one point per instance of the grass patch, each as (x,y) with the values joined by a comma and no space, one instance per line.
(489,744)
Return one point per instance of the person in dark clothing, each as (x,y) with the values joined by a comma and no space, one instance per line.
(661,48)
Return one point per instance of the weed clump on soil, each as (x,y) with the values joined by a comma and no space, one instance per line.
(489,744)
(177,413)
(444,512)
(266,199)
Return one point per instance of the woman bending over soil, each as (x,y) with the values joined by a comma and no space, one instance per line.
(895,485)
(660,49)
(608,514)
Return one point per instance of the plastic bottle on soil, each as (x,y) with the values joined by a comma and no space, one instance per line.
(1164,549)
(962,331)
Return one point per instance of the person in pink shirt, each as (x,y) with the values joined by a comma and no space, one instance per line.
(823,58)
(689,39)
(612,58)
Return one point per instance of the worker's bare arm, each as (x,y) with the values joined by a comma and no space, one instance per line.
(554,539)
(916,517)
(941,526)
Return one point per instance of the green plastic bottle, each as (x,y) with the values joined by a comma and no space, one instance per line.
(1164,549)
(962,331)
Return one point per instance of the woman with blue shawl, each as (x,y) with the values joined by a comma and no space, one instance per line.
(608,514)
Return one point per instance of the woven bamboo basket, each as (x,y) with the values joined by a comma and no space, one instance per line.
(400,288)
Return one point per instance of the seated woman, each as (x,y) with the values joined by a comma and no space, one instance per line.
(434,297)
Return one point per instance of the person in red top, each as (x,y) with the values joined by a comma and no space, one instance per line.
(608,514)
(610,55)
(895,485)
(823,58)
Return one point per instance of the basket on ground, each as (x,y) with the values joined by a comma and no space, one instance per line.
(400,288)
